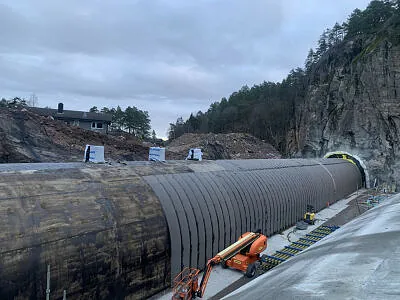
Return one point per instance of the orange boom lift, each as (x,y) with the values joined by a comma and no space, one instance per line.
(241,255)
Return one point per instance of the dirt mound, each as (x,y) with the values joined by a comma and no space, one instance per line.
(28,137)
(223,146)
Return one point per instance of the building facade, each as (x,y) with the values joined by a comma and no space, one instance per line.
(98,122)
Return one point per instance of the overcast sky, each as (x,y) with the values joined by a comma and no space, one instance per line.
(169,57)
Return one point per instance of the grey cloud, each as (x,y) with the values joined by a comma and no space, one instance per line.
(169,57)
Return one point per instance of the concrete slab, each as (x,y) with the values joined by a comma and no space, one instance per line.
(358,261)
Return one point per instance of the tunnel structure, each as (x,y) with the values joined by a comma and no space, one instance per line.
(125,231)
(354,159)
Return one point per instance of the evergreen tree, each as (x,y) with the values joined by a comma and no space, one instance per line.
(143,124)
(309,60)
(337,33)
(171,132)
(129,119)
(322,45)
(118,118)
(372,18)
(105,110)
(14,103)
(94,109)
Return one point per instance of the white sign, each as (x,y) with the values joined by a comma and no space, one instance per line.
(157,154)
(194,154)
(94,154)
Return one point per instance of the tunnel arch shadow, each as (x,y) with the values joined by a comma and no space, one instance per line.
(354,159)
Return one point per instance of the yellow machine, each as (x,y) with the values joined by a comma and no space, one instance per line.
(309,216)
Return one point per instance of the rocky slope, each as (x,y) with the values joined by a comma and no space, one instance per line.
(27,137)
(353,104)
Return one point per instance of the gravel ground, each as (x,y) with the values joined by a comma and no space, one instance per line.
(38,166)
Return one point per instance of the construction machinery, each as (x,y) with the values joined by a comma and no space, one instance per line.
(309,216)
(243,255)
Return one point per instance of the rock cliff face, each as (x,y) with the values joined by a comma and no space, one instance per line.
(353,105)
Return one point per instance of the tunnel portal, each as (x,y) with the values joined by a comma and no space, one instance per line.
(354,159)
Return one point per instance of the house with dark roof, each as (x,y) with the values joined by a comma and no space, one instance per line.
(98,122)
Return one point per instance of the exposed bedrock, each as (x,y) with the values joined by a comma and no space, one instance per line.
(352,105)
(114,232)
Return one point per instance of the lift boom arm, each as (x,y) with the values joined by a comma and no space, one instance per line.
(225,254)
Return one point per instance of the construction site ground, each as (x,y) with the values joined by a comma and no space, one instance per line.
(222,146)
(224,281)
(26,137)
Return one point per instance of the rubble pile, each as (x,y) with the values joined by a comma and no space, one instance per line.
(28,137)
(222,146)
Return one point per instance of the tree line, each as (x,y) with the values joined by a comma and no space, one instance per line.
(264,110)
(269,110)
(132,120)
(366,22)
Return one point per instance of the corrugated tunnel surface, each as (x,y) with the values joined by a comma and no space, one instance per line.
(206,211)
(125,231)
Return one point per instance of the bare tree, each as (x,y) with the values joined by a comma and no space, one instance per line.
(33,100)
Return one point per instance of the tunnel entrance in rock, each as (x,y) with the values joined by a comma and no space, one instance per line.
(354,159)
